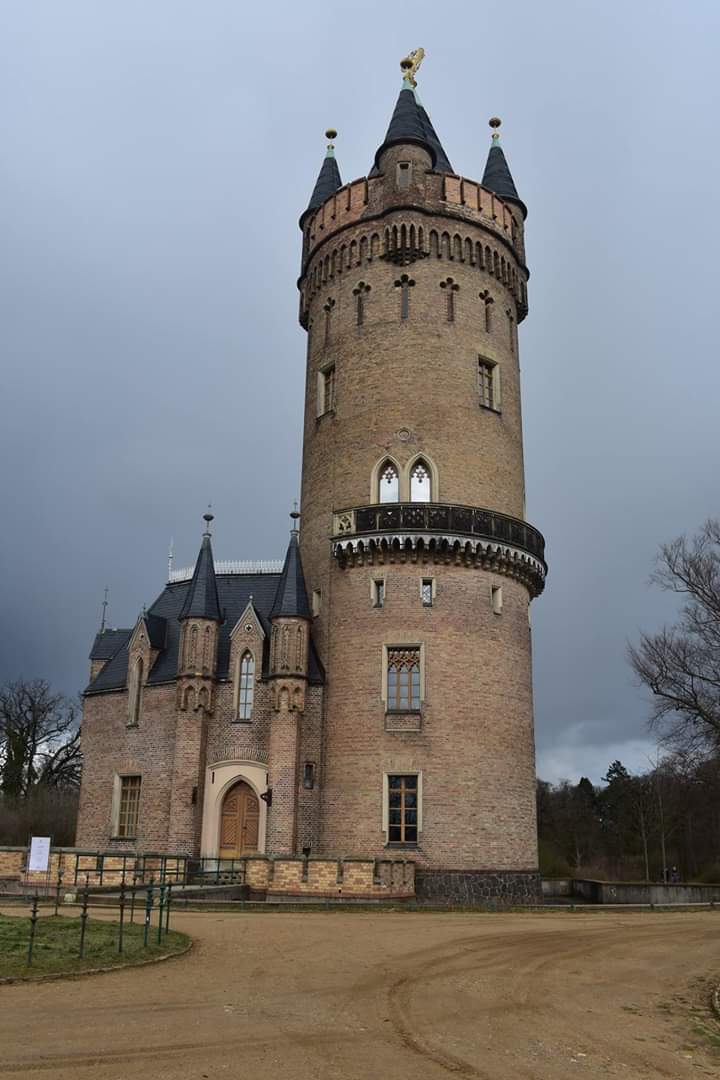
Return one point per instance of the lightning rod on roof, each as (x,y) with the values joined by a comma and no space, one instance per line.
(104,610)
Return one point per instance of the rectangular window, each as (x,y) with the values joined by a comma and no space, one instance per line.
(316,602)
(497,599)
(329,389)
(127,823)
(402,809)
(326,390)
(426,591)
(488,384)
(378,593)
(404,173)
(403,678)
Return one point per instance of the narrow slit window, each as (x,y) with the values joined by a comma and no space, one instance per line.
(402,809)
(404,174)
(497,599)
(328,389)
(247,687)
(378,593)
(426,592)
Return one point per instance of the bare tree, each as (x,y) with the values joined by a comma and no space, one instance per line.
(39,738)
(681,663)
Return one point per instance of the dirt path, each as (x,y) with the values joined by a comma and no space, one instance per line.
(343,996)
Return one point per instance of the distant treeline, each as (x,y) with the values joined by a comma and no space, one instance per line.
(641,828)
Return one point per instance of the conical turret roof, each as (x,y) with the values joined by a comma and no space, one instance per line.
(410,123)
(497,176)
(327,183)
(291,596)
(202,600)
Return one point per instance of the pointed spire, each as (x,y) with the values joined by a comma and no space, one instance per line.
(410,122)
(328,180)
(201,601)
(497,176)
(291,596)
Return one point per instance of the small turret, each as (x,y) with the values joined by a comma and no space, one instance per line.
(497,176)
(328,180)
(200,618)
(410,123)
(289,650)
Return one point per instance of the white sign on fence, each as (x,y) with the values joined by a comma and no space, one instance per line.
(39,854)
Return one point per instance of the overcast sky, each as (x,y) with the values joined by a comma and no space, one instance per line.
(155,157)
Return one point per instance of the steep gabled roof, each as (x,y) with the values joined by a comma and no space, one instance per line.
(235,592)
(291,597)
(107,643)
(202,601)
(498,178)
(410,123)
(327,183)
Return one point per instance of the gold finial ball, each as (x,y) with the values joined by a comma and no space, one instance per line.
(331,133)
(494,121)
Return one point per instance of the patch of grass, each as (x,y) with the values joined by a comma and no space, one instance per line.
(57,942)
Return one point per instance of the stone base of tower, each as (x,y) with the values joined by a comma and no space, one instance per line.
(467,888)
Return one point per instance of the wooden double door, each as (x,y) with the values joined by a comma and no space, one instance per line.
(239,820)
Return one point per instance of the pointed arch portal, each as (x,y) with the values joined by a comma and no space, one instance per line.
(239,821)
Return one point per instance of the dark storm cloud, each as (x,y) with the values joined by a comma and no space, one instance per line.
(155,158)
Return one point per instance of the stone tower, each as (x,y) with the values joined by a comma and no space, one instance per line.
(416,551)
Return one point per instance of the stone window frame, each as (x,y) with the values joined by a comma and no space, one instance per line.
(424,583)
(316,602)
(238,703)
(489,369)
(116,807)
(387,773)
(386,647)
(496,599)
(404,473)
(378,591)
(136,691)
(325,407)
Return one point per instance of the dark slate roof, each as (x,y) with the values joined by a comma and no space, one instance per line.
(157,630)
(328,181)
(234,592)
(498,178)
(202,601)
(411,124)
(107,643)
(291,596)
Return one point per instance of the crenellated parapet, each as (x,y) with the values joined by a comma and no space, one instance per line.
(465,224)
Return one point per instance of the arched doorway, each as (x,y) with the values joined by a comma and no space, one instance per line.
(239,822)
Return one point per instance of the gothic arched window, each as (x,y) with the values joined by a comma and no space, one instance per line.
(388,484)
(420,483)
(136,689)
(246,686)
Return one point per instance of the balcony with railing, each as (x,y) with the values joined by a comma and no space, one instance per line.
(442,532)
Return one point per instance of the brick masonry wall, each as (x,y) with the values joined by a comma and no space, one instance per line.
(405,387)
(171,767)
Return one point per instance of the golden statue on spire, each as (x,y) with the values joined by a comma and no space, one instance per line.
(410,64)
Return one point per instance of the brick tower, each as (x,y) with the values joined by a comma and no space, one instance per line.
(414,543)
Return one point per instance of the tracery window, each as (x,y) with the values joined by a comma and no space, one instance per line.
(389,483)
(420,483)
(403,678)
(246,692)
